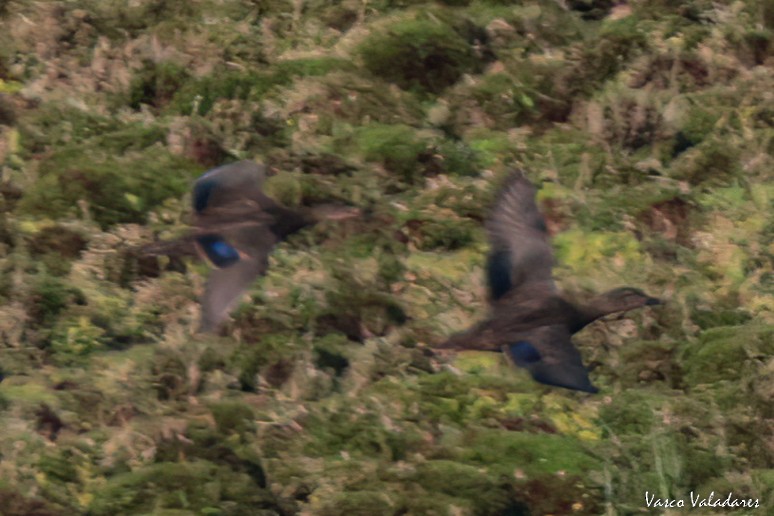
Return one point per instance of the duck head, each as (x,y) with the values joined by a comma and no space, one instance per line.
(622,299)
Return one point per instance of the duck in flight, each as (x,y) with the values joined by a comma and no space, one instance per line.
(237,226)
(529,320)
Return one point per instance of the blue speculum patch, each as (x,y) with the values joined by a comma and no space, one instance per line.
(498,273)
(218,251)
(524,352)
(201,194)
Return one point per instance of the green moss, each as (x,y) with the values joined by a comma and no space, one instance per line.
(197,487)
(156,83)
(647,361)
(418,54)
(447,234)
(714,162)
(706,319)
(43,128)
(579,250)
(58,467)
(27,393)
(55,247)
(726,353)
(77,338)
(506,99)
(48,297)
(397,147)
(357,503)
(458,158)
(698,124)
(117,19)
(286,188)
(465,483)
(169,375)
(16,503)
(206,443)
(603,56)
(491,147)
(631,413)
(359,433)
(331,353)
(537,454)
(116,189)
(310,67)
(198,96)
(233,417)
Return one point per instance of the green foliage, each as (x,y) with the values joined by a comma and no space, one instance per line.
(116,189)
(156,83)
(645,125)
(58,467)
(43,128)
(504,98)
(458,158)
(446,234)
(602,57)
(537,454)
(233,417)
(200,487)
(397,147)
(48,297)
(197,96)
(629,414)
(76,338)
(117,19)
(55,247)
(422,54)
(15,502)
(714,162)
(726,353)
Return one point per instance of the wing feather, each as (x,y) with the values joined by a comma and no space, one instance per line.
(556,362)
(520,248)
(234,187)
(227,284)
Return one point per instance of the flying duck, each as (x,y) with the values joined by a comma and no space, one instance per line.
(529,319)
(236,227)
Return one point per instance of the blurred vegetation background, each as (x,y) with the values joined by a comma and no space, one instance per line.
(649,124)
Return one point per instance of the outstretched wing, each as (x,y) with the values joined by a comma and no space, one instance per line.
(549,355)
(239,255)
(232,189)
(520,249)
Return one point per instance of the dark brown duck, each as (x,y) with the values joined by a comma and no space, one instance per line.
(237,227)
(529,320)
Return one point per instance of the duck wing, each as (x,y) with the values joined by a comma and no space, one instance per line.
(231,189)
(520,250)
(239,255)
(549,355)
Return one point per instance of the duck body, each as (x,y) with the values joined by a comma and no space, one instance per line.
(530,321)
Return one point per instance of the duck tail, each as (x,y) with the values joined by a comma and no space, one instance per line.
(179,247)
(476,338)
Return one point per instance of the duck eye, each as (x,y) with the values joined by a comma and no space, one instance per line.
(524,353)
